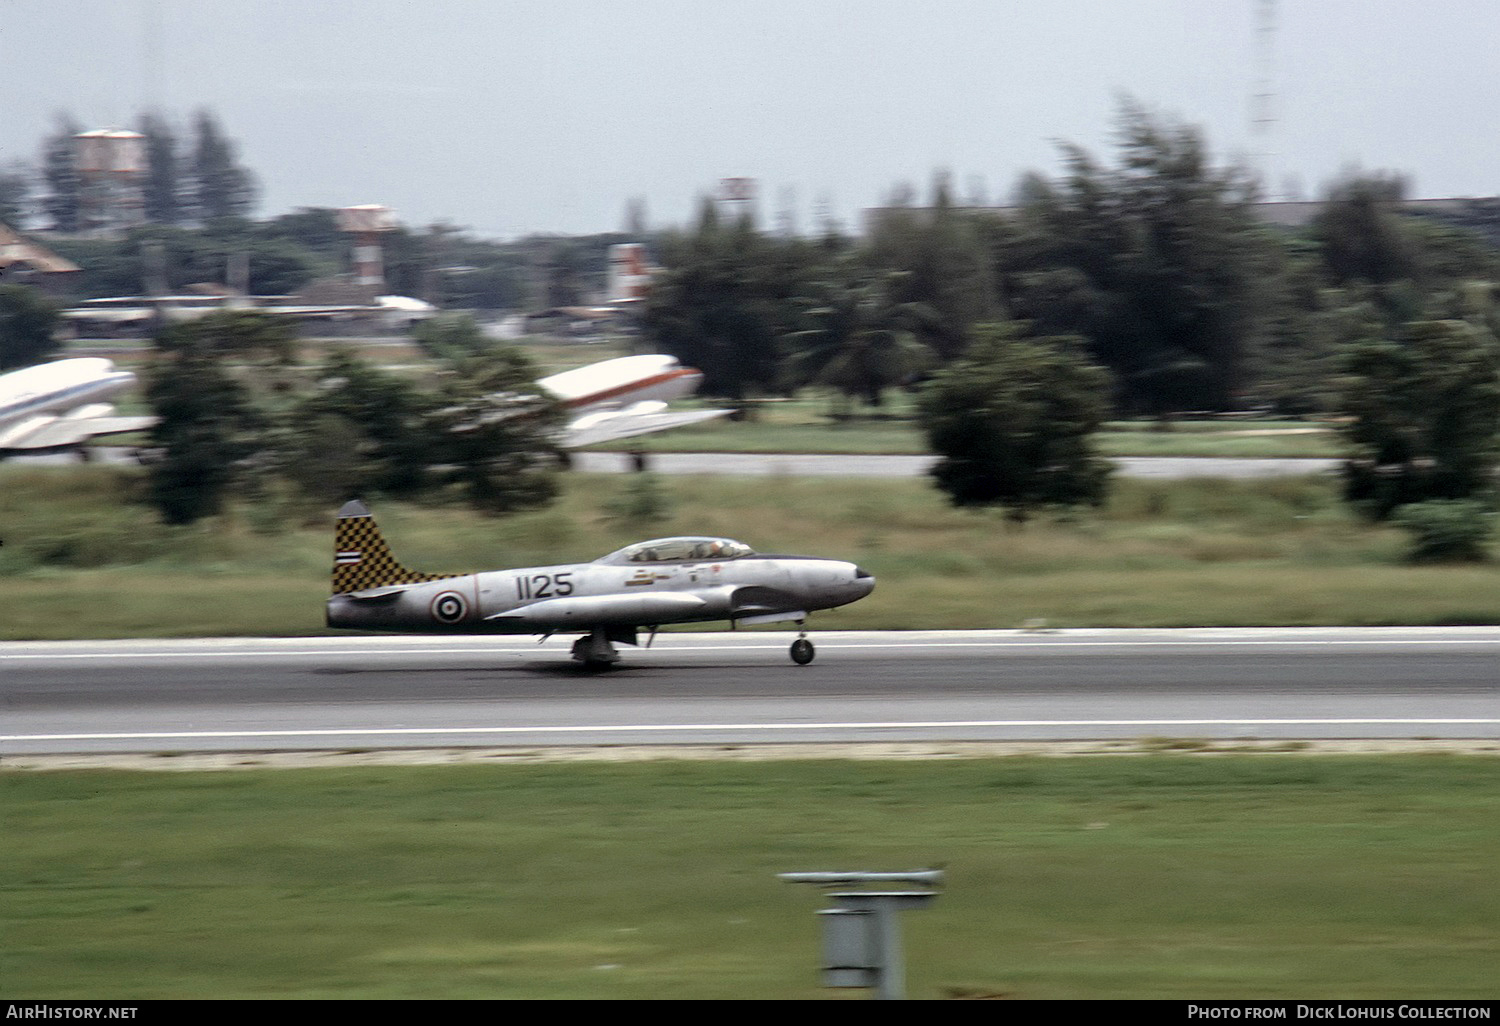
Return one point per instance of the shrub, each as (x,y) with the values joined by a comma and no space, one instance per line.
(641,503)
(1447,530)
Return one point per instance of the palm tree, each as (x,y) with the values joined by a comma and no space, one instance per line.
(857,339)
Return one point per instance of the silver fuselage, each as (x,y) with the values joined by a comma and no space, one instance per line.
(589,596)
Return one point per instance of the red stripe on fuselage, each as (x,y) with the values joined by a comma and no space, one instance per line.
(635,386)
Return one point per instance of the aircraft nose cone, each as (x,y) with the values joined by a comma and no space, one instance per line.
(864,580)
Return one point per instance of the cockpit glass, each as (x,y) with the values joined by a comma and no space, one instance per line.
(679,550)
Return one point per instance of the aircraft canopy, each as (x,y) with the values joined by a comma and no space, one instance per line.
(679,550)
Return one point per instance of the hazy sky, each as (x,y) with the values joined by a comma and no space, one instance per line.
(515,116)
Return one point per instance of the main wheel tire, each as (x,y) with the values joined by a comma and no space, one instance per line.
(802,652)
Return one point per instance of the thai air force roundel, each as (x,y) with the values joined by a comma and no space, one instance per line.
(449,607)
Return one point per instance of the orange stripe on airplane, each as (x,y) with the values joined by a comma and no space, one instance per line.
(634,386)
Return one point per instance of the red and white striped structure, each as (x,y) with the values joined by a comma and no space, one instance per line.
(366,223)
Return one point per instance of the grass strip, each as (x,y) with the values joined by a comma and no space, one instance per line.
(82,557)
(1155,876)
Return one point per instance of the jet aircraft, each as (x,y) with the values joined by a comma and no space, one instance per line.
(608,601)
(57,405)
(624,397)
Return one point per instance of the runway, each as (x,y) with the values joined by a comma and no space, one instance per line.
(740,688)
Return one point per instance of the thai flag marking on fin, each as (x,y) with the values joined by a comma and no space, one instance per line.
(347,558)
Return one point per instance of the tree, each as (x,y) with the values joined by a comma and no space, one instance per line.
(724,300)
(258,343)
(1447,530)
(27,319)
(163,188)
(1424,412)
(452,337)
(943,266)
(1157,263)
(315,229)
(207,430)
(219,386)
(357,431)
(857,340)
(1305,348)
(15,194)
(235,416)
(491,434)
(1013,423)
(1361,233)
(64,200)
(221,187)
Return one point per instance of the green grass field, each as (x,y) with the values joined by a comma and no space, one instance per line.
(1284,876)
(81,558)
(804,426)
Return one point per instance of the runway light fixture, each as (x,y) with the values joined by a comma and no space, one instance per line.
(861,934)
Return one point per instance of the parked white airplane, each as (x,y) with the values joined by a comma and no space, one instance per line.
(57,405)
(624,397)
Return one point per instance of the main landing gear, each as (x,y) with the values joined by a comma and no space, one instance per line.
(802,650)
(594,650)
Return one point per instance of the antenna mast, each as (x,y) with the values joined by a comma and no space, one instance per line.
(1263,101)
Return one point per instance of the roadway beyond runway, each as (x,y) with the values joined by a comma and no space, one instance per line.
(811,465)
(743,464)
(740,688)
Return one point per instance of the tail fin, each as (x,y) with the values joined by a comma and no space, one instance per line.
(361,558)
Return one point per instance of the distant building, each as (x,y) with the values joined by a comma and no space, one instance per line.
(1295,213)
(24,262)
(341,290)
(112,167)
(367,223)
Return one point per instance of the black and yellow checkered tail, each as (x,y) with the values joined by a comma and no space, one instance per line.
(361,558)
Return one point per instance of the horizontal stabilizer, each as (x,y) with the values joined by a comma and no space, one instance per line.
(604,611)
(61,432)
(385,594)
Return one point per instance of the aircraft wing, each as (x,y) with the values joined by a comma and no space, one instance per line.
(589,611)
(45,432)
(608,426)
(749,604)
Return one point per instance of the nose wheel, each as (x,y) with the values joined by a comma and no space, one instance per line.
(802,651)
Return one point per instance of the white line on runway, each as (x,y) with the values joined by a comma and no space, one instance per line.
(777,646)
(683,727)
